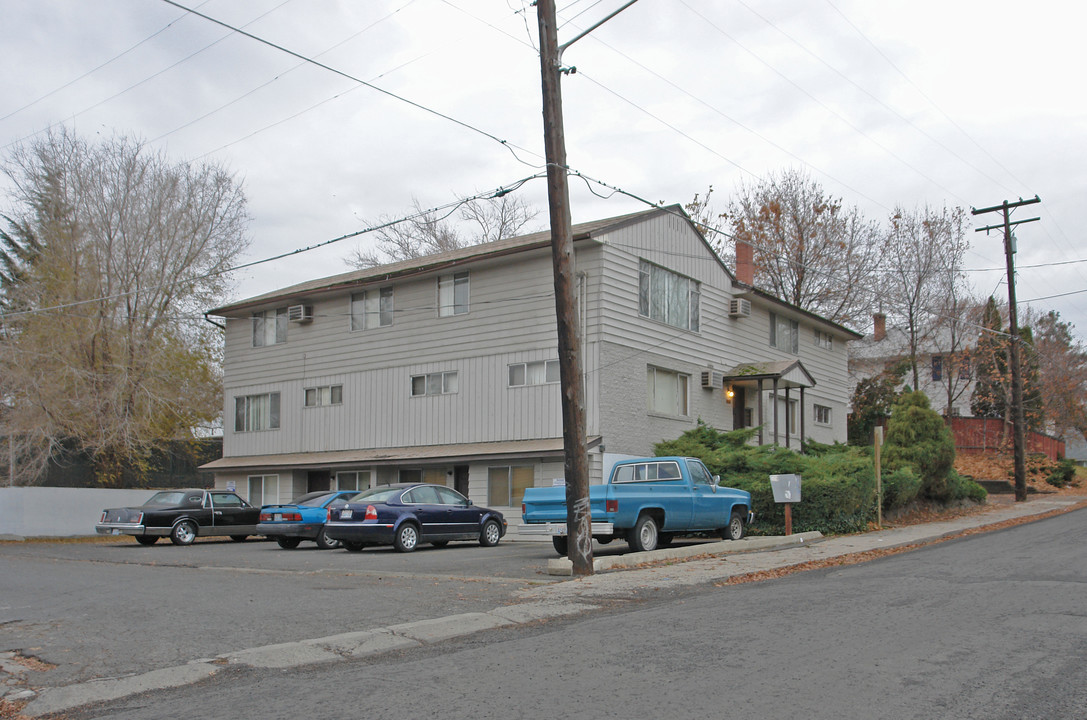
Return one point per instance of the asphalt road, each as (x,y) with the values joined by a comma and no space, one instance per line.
(992,626)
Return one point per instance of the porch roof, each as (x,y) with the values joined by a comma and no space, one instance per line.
(788,373)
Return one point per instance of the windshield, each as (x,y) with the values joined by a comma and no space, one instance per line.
(315,501)
(378,494)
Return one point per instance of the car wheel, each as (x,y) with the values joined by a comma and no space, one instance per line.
(353,546)
(440,543)
(735,529)
(491,534)
(239,538)
(184,533)
(665,539)
(325,542)
(407,537)
(288,543)
(561,546)
(644,536)
(147,539)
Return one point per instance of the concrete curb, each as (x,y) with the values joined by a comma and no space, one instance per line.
(563,566)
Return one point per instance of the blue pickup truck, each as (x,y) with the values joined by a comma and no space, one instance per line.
(647,502)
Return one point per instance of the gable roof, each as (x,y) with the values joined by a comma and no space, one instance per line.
(438,261)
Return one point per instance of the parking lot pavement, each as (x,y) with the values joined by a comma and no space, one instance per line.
(133,618)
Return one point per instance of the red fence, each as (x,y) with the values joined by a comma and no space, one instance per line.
(979,434)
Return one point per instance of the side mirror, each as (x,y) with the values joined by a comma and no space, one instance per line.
(469,503)
(716,479)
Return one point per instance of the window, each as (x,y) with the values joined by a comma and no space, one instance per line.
(439,383)
(787,415)
(453,294)
(324,395)
(506,485)
(824,340)
(263,490)
(784,333)
(409,475)
(937,367)
(354,480)
(256,412)
(372,308)
(666,392)
(647,472)
(270,327)
(534,373)
(665,296)
(822,415)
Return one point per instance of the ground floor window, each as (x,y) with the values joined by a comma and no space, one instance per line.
(263,490)
(353,480)
(822,415)
(506,485)
(787,415)
(666,392)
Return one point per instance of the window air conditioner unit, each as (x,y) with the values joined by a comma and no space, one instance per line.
(713,379)
(739,308)
(300,313)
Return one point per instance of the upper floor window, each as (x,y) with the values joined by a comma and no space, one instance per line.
(534,373)
(256,412)
(324,395)
(784,333)
(824,340)
(668,297)
(372,308)
(439,383)
(666,392)
(270,327)
(453,294)
(937,367)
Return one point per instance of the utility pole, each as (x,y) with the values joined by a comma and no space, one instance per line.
(1018,420)
(578,516)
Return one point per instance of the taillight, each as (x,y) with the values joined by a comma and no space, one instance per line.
(265,517)
(103,518)
(522,508)
(139,519)
(611,506)
(294,517)
(328,514)
(371,512)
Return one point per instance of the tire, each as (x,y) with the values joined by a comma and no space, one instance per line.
(147,539)
(490,534)
(407,537)
(561,546)
(440,543)
(644,536)
(353,546)
(183,533)
(288,543)
(665,539)
(324,542)
(239,538)
(735,529)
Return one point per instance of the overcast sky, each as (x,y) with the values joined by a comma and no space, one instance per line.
(886,104)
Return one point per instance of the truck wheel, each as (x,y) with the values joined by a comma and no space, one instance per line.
(643,537)
(735,529)
(561,547)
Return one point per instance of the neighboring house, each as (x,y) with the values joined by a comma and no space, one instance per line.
(445,368)
(942,375)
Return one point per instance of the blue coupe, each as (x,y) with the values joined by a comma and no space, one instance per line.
(408,514)
(304,519)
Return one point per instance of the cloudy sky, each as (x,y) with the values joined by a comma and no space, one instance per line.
(886,104)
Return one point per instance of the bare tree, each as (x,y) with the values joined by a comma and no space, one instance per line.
(1061,360)
(102,345)
(427,233)
(923,266)
(809,249)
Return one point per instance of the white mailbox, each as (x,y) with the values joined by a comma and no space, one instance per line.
(786,488)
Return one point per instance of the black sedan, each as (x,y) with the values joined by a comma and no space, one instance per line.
(182,515)
(405,515)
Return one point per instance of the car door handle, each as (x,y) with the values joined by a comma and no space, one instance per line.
(217,512)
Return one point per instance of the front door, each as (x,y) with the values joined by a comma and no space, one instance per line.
(460,479)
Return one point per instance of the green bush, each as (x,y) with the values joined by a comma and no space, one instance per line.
(918,437)
(1063,474)
(900,488)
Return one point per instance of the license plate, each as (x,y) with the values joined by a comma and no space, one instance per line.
(345,515)
(278,516)
(115,531)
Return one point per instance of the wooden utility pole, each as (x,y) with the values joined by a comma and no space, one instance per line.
(1018,420)
(578,516)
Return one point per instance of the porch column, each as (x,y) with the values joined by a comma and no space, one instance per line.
(788,416)
(802,416)
(775,401)
(762,423)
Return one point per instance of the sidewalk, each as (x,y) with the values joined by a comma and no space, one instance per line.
(705,563)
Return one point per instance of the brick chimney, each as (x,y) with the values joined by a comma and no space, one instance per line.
(880,330)
(745,263)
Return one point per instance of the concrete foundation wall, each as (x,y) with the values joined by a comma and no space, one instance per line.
(59,512)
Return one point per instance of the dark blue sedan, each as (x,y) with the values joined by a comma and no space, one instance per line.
(304,519)
(408,514)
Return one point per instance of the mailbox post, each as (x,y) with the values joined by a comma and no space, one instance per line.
(786,490)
